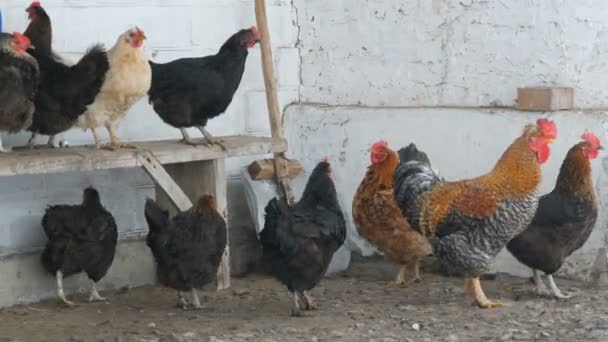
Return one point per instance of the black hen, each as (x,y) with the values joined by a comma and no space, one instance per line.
(189,91)
(19,77)
(187,248)
(299,242)
(66,91)
(81,238)
(564,219)
(39,30)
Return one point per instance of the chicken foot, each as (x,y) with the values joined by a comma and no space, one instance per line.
(400,279)
(294,304)
(49,144)
(210,139)
(4,149)
(94,295)
(196,303)
(115,143)
(555,290)
(181,301)
(187,140)
(473,286)
(307,301)
(60,293)
(541,289)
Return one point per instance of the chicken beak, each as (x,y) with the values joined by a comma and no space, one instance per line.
(31,47)
(600,147)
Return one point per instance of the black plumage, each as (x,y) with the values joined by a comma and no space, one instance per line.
(65,91)
(299,242)
(19,77)
(187,92)
(187,248)
(81,238)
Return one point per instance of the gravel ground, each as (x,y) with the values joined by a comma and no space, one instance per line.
(356,305)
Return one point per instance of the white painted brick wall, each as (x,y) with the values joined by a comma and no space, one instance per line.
(175,28)
(449,52)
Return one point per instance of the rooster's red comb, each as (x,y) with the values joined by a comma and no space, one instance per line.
(326,159)
(547,128)
(21,38)
(255,31)
(35,4)
(591,139)
(380,143)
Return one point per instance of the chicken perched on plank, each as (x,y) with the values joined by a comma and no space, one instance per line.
(187,248)
(564,219)
(127,80)
(39,30)
(19,77)
(379,219)
(189,91)
(298,242)
(81,238)
(472,220)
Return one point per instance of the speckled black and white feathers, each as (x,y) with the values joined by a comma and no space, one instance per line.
(413,177)
(81,238)
(299,242)
(187,248)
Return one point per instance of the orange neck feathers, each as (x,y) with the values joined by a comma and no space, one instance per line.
(382,172)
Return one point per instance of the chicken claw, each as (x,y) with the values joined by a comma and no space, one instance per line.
(94,296)
(473,286)
(308,302)
(294,305)
(181,301)
(210,139)
(555,290)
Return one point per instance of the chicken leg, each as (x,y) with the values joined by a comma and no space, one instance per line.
(50,144)
(210,139)
(474,286)
(187,140)
(400,279)
(181,301)
(60,292)
(115,143)
(2,148)
(94,296)
(308,302)
(556,291)
(294,304)
(417,278)
(541,289)
(196,303)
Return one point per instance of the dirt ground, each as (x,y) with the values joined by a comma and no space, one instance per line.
(353,306)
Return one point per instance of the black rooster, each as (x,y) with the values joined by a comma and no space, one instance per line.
(39,31)
(187,248)
(189,91)
(19,77)
(299,242)
(80,238)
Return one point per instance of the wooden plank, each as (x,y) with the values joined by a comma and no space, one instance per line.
(79,159)
(272,99)
(198,178)
(264,169)
(160,176)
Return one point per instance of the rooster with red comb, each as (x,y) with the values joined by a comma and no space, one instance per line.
(564,219)
(39,30)
(470,221)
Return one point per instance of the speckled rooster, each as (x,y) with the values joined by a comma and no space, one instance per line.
(472,220)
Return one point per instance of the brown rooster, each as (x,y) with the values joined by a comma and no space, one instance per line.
(565,217)
(472,220)
(379,219)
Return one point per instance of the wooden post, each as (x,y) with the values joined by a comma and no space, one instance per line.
(196,179)
(272,99)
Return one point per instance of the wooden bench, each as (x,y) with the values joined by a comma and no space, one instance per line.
(181,172)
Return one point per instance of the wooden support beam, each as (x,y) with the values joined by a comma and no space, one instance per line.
(198,178)
(264,169)
(160,176)
(272,99)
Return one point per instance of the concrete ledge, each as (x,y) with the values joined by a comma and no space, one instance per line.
(25,281)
